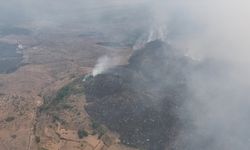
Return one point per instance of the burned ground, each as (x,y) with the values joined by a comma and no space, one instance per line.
(10,59)
(141,100)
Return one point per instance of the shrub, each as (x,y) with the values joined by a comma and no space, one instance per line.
(37,139)
(9,119)
(98,128)
(82,133)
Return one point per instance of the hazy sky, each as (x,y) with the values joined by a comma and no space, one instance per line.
(215,29)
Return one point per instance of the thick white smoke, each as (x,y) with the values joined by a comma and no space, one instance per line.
(157,32)
(106,62)
(103,63)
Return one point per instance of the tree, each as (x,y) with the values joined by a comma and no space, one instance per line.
(82,133)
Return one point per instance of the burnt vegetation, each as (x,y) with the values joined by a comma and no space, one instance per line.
(9,119)
(141,100)
(10,60)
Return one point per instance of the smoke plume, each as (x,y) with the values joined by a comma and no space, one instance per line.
(106,62)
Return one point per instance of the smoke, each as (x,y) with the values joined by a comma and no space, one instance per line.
(157,32)
(103,63)
(215,32)
(106,62)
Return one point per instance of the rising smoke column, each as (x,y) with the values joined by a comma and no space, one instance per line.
(157,32)
(103,63)
(106,62)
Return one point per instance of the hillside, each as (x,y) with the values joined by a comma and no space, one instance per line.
(141,100)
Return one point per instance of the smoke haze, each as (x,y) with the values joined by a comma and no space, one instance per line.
(213,32)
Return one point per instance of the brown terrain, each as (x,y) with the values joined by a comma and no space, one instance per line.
(33,114)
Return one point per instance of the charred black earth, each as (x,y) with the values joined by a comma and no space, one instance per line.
(10,58)
(141,100)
